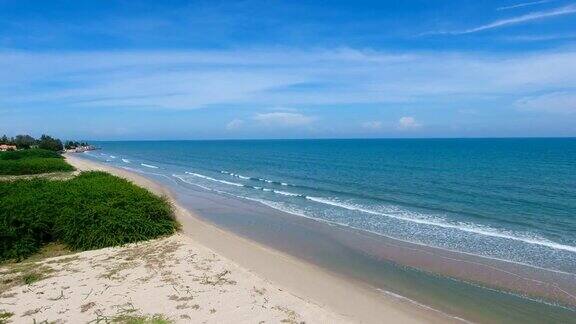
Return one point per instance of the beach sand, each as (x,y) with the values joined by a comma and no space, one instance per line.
(203,274)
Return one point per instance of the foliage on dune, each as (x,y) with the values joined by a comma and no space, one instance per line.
(92,210)
(33,161)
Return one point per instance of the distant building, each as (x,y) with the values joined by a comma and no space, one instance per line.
(5,147)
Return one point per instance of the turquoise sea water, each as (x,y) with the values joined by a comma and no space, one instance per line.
(510,199)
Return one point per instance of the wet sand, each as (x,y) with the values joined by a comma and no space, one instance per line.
(381,262)
(555,286)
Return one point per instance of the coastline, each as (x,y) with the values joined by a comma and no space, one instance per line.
(353,300)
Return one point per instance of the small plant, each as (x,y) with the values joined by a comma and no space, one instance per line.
(4,316)
(135,319)
(31,278)
(22,273)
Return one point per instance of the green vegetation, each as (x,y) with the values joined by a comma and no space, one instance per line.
(26,142)
(32,161)
(16,274)
(48,143)
(74,144)
(140,319)
(92,210)
(28,154)
(31,278)
(4,316)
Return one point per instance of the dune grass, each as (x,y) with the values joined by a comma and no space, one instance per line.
(141,319)
(32,161)
(93,210)
(5,316)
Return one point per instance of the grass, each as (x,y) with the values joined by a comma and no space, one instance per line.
(50,250)
(26,154)
(32,161)
(31,278)
(93,210)
(5,316)
(137,319)
(24,273)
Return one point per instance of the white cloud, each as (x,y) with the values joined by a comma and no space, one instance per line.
(566,10)
(272,78)
(524,4)
(407,123)
(283,119)
(234,124)
(283,109)
(372,125)
(539,38)
(468,111)
(558,102)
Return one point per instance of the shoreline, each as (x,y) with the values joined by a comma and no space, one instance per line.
(540,285)
(354,300)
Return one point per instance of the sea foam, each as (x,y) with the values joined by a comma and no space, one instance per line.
(464,227)
(213,179)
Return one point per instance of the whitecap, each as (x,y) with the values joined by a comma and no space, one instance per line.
(464,227)
(213,179)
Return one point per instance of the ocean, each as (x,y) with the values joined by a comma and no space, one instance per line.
(509,201)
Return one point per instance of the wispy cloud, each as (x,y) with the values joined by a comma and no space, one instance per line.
(234,124)
(540,38)
(566,10)
(557,102)
(285,119)
(408,123)
(372,125)
(183,80)
(524,4)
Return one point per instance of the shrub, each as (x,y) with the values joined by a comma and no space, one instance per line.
(33,166)
(33,161)
(93,210)
(33,153)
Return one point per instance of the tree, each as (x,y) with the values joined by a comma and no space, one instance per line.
(24,141)
(48,143)
(7,140)
(74,144)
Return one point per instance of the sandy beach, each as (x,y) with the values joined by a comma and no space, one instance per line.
(203,274)
(172,278)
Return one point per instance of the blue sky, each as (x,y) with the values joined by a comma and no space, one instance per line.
(287,69)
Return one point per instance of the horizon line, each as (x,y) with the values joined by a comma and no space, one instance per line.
(329,138)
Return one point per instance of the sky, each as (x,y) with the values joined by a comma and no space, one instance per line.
(157,70)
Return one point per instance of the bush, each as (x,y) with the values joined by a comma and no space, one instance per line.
(33,166)
(93,210)
(33,153)
(32,162)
